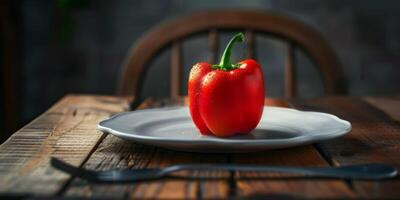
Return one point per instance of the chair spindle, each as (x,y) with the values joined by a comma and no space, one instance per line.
(213,37)
(176,69)
(250,50)
(290,72)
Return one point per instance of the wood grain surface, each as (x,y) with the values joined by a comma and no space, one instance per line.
(130,155)
(68,131)
(375,137)
(267,185)
(389,105)
(117,153)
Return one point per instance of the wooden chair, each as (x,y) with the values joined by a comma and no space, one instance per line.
(171,33)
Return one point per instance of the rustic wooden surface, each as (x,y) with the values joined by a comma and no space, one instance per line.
(375,137)
(68,131)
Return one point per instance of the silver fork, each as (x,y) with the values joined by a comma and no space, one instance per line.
(364,171)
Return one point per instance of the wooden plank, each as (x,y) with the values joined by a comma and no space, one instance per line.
(67,131)
(273,185)
(389,105)
(270,185)
(375,137)
(117,153)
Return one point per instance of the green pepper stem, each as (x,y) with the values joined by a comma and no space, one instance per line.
(225,62)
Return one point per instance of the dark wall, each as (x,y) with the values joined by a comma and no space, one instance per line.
(78,46)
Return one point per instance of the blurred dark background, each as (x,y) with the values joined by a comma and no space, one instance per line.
(51,48)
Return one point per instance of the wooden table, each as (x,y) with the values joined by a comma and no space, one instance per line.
(68,131)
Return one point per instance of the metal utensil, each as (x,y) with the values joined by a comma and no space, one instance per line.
(364,171)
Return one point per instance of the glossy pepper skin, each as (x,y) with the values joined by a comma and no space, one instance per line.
(226,99)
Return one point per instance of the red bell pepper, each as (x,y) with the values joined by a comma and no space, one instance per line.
(226,99)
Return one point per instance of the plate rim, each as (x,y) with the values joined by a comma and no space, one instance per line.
(302,139)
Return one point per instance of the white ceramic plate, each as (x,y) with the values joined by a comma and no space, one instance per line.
(173,128)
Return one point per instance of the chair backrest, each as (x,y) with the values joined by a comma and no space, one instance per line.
(171,33)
